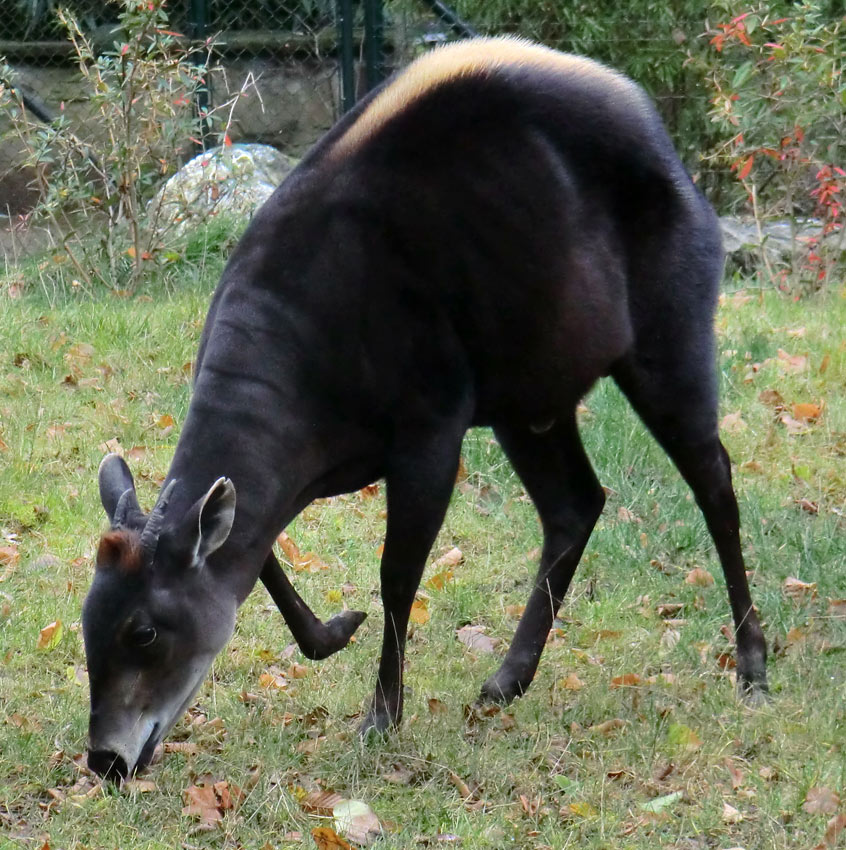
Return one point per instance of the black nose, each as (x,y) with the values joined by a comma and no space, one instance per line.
(107,764)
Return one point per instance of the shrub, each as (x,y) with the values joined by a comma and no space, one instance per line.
(94,190)
(779,100)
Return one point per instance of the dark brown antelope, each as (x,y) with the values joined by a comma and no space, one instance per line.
(478,242)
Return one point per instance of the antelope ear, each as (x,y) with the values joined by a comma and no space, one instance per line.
(215,515)
(117,490)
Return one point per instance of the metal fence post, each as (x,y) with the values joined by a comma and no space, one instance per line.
(345,52)
(374,42)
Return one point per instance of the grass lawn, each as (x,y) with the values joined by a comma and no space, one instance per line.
(631,736)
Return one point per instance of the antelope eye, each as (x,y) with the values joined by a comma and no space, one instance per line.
(143,636)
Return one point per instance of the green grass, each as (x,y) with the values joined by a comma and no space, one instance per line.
(583,787)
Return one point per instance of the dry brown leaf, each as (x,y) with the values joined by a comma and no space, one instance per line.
(474,638)
(821,800)
(420,611)
(9,555)
(437,706)
(699,577)
(806,412)
(187,748)
(440,580)
(289,549)
(327,839)
(731,814)
(792,363)
(669,609)
(369,492)
(201,801)
(165,421)
(140,786)
(735,773)
(625,515)
(297,671)
(469,797)
(273,678)
(451,559)
(571,683)
(530,805)
(797,589)
(627,680)
(320,802)
(608,727)
(515,611)
(835,830)
(793,426)
(772,398)
(837,607)
(50,636)
(808,506)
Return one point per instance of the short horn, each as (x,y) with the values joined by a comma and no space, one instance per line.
(150,535)
(122,509)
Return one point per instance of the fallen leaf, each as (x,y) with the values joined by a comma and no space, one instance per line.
(627,680)
(731,814)
(369,492)
(530,805)
(165,421)
(201,801)
(582,810)
(273,679)
(571,683)
(469,797)
(451,559)
(297,671)
(515,611)
(837,607)
(793,426)
(187,748)
(356,821)
(699,578)
(440,580)
(835,830)
(473,638)
(608,727)
(289,549)
(327,839)
(669,609)
(792,363)
(436,706)
(806,412)
(50,636)
(821,800)
(625,515)
(420,611)
(139,786)
(808,506)
(772,398)
(681,737)
(660,804)
(320,802)
(797,589)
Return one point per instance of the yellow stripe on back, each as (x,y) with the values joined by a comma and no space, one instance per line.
(463,59)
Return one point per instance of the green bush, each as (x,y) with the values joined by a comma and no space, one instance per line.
(94,190)
(779,101)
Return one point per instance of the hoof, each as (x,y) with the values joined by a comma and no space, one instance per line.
(498,692)
(335,635)
(377,725)
(754,694)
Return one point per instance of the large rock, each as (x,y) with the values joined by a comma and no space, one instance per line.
(232,181)
(745,244)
